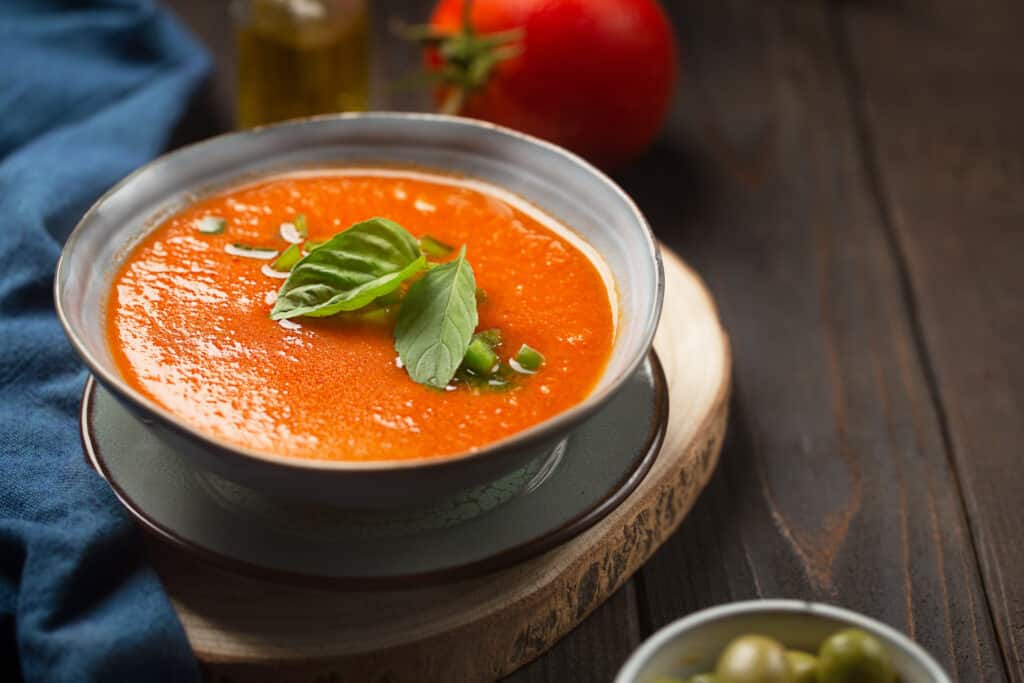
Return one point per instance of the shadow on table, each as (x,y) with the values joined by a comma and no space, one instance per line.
(671,187)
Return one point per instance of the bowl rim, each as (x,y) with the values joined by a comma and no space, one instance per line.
(519,440)
(663,636)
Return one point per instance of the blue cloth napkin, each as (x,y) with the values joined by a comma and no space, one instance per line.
(89,90)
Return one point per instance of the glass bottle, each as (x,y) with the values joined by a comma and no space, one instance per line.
(300,57)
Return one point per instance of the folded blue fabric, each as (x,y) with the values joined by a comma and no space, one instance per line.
(89,90)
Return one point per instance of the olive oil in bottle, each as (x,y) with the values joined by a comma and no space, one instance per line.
(301,57)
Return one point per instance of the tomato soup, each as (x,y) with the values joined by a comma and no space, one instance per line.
(188,320)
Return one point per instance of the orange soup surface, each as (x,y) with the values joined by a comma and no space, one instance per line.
(188,323)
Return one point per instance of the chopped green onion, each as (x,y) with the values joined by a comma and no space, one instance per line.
(528,360)
(288,258)
(300,225)
(212,225)
(310,245)
(434,247)
(481,295)
(491,337)
(248,251)
(497,381)
(480,358)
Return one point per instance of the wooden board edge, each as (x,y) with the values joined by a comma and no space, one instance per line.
(583,586)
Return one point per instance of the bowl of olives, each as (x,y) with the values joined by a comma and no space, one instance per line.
(779,641)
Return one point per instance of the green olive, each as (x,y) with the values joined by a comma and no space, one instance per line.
(853,656)
(704,678)
(753,659)
(803,668)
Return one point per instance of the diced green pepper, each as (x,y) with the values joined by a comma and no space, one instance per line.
(480,358)
(491,337)
(288,258)
(434,247)
(529,358)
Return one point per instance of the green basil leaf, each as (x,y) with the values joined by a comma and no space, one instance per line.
(434,247)
(436,322)
(350,270)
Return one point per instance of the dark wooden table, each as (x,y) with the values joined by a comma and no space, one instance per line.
(849,178)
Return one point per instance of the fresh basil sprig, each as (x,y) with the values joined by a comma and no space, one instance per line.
(436,322)
(371,260)
(350,270)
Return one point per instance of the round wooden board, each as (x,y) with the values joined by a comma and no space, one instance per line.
(480,629)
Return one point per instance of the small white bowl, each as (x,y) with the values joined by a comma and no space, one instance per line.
(691,645)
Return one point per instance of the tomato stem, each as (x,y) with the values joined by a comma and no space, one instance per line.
(468,59)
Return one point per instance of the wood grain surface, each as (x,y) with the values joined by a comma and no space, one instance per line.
(847,176)
(246,629)
(952,186)
(836,483)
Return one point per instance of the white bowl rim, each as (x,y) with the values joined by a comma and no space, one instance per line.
(523,438)
(663,636)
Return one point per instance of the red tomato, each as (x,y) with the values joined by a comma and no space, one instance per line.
(595,76)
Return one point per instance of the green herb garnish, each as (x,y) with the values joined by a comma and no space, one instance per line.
(212,225)
(377,315)
(500,379)
(527,360)
(480,358)
(288,258)
(300,225)
(350,270)
(249,251)
(391,298)
(436,322)
(359,273)
(434,247)
(492,337)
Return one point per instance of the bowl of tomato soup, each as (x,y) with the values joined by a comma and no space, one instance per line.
(368,310)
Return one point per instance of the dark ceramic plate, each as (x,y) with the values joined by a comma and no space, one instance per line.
(486,529)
